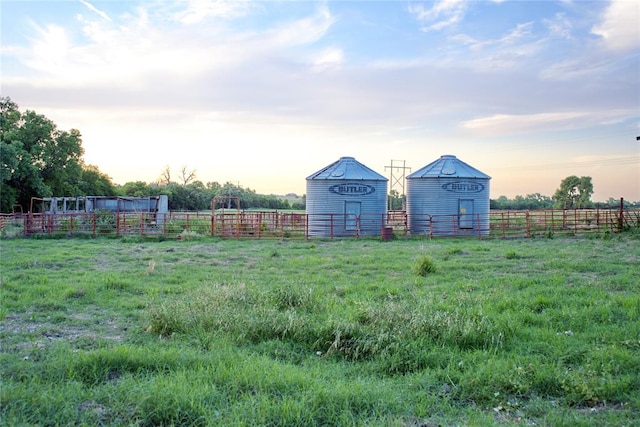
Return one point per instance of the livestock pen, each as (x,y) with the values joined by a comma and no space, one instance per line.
(284,224)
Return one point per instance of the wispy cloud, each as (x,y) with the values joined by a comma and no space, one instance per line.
(91,7)
(511,49)
(442,14)
(510,38)
(559,26)
(585,68)
(501,124)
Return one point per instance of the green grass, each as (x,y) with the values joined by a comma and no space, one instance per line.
(343,332)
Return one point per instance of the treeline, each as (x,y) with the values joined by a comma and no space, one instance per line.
(39,160)
(197,196)
(538,201)
(530,201)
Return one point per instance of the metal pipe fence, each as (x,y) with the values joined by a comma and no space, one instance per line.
(279,225)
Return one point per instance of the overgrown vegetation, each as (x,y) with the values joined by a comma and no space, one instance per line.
(40,160)
(210,332)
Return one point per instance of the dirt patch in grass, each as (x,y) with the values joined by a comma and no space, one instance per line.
(80,329)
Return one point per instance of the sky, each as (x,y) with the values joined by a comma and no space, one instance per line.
(265,93)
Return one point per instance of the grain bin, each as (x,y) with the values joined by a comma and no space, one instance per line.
(346,198)
(448,197)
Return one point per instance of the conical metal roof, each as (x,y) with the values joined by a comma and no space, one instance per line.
(448,166)
(347,168)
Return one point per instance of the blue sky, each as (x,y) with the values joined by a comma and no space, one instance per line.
(264,93)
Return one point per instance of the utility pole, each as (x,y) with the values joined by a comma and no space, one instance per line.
(398,170)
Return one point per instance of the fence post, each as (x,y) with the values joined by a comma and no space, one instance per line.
(280,221)
(430,226)
(621,215)
(164,224)
(213,223)
(259,223)
(405,219)
(453,222)
(331,224)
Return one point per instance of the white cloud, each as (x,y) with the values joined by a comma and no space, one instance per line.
(302,31)
(124,53)
(327,59)
(442,14)
(200,10)
(51,49)
(620,25)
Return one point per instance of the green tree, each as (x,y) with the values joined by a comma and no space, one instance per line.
(191,197)
(501,203)
(96,183)
(300,205)
(37,159)
(137,189)
(538,201)
(574,193)
(396,201)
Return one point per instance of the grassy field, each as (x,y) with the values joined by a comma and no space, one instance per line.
(344,332)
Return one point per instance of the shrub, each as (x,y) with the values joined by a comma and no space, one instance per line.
(511,254)
(424,266)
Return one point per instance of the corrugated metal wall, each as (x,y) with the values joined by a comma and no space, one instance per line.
(346,199)
(431,208)
(448,197)
(334,215)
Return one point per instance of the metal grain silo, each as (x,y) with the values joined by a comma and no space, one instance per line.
(346,198)
(448,198)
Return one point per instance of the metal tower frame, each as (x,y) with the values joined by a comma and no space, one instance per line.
(397,178)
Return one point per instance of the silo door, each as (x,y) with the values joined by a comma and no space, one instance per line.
(465,213)
(351,215)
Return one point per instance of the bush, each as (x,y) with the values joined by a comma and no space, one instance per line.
(423,266)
